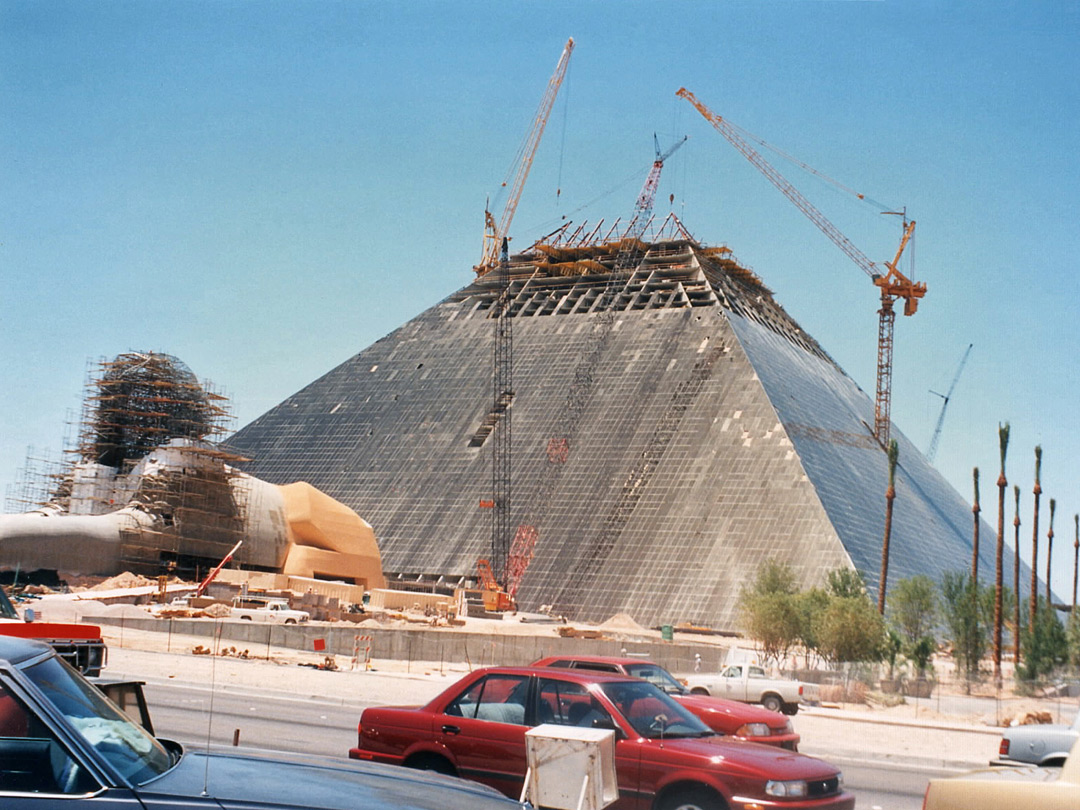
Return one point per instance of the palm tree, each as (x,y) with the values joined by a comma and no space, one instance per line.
(1049,550)
(1035,541)
(890,496)
(1003,443)
(1016,578)
(975,543)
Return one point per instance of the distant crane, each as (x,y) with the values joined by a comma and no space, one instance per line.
(932,452)
(495,231)
(892,282)
(644,205)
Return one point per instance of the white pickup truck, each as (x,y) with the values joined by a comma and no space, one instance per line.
(749,684)
(271,611)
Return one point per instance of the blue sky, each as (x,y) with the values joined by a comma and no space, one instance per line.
(265,188)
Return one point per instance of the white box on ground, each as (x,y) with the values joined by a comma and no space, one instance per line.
(570,768)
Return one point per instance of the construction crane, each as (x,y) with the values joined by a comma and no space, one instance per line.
(217,569)
(892,283)
(644,205)
(519,171)
(945,404)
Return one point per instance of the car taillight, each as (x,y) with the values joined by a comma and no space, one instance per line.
(800,689)
(1003,749)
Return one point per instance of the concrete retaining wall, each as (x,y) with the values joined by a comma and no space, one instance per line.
(426,644)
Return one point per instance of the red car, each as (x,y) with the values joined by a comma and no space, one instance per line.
(665,757)
(740,720)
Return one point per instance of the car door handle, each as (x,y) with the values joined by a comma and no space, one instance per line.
(451,730)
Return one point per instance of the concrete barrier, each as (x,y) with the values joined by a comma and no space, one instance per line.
(427,644)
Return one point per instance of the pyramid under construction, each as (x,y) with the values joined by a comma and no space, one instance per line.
(672,428)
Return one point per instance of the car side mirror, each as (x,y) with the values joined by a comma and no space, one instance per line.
(28,615)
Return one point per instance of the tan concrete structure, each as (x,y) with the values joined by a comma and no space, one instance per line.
(327,539)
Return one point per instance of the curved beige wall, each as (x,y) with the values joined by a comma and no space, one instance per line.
(328,539)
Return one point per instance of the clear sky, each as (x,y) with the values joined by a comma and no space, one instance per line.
(265,188)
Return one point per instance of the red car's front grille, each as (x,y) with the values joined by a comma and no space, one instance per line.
(822,787)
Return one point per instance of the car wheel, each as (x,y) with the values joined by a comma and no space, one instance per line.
(699,690)
(431,762)
(772,703)
(691,798)
(790,709)
(290,621)
(245,618)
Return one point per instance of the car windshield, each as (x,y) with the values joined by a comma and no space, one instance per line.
(7,610)
(653,713)
(657,675)
(126,746)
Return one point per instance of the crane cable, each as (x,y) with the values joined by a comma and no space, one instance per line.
(562,136)
(805,167)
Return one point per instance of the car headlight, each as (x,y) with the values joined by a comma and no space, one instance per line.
(793,789)
(752,730)
(787,728)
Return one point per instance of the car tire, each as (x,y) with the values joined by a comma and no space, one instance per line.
(790,709)
(691,798)
(772,702)
(699,690)
(290,621)
(431,762)
(245,618)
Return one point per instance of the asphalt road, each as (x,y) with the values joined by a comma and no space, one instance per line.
(194,715)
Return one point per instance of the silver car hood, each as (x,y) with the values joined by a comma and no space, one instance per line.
(248,777)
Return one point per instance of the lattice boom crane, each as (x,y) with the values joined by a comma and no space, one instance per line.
(644,205)
(892,283)
(495,231)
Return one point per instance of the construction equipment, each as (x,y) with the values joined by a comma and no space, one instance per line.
(644,205)
(496,600)
(519,171)
(945,404)
(503,397)
(217,569)
(892,283)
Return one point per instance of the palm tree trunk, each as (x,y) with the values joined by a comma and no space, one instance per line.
(1076,558)
(1003,439)
(1049,550)
(1035,542)
(1016,579)
(975,509)
(890,496)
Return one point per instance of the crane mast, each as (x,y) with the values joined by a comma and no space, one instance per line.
(892,282)
(495,231)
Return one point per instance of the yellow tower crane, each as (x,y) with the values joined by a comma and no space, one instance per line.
(519,171)
(892,283)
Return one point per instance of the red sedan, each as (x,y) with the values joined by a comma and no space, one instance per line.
(740,720)
(665,757)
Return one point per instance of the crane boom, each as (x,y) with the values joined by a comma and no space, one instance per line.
(495,231)
(932,452)
(644,205)
(892,282)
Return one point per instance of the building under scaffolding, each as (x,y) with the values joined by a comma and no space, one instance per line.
(149,437)
(148,487)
